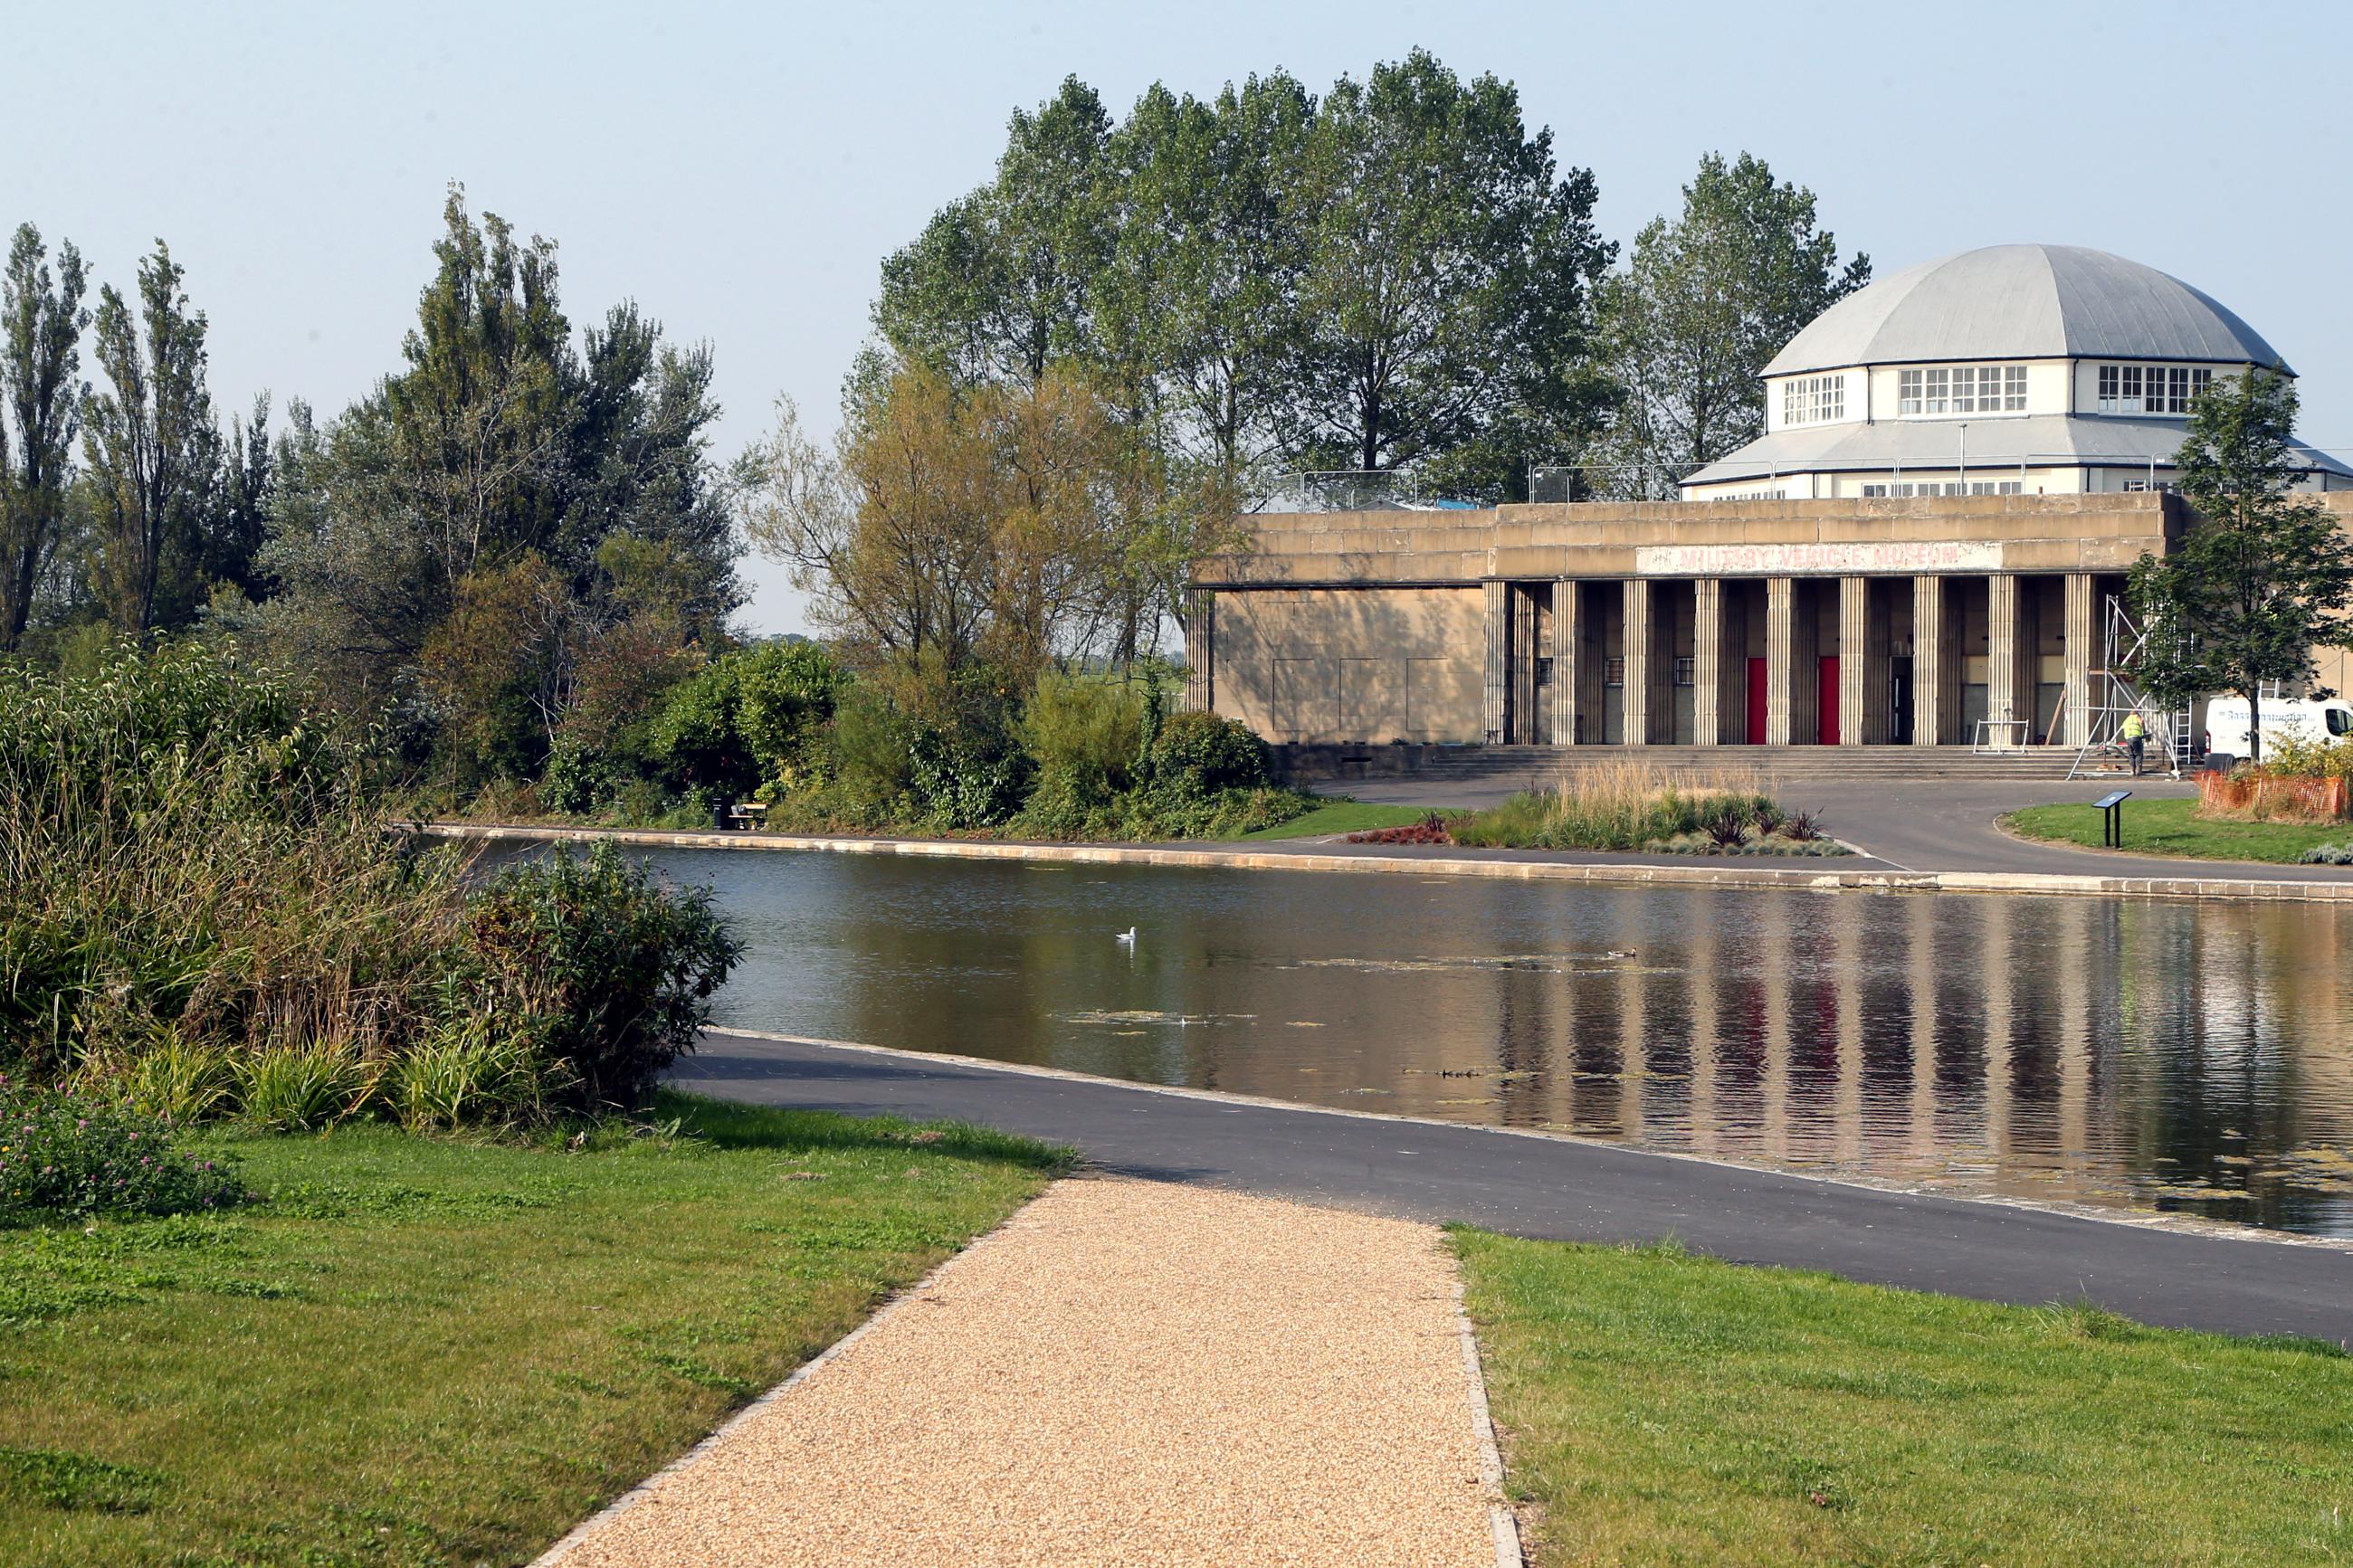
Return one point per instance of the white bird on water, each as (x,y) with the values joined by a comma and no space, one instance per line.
(1126,938)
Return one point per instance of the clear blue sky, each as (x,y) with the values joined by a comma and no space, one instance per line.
(741,168)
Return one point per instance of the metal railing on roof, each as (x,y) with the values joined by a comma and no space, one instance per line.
(1354,489)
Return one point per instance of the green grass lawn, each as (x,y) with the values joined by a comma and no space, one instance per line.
(425,1350)
(2168,828)
(1344,816)
(1661,1409)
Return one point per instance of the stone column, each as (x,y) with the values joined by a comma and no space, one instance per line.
(1201,650)
(1568,659)
(1935,665)
(2082,652)
(1780,661)
(2005,655)
(1499,650)
(1707,661)
(1637,639)
(1855,666)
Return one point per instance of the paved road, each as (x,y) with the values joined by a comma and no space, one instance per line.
(1565,1189)
(1926,824)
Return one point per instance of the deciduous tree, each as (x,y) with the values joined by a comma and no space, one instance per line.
(150,439)
(1448,270)
(41,323)
(2262,575)
(1001,283)
(1704,304)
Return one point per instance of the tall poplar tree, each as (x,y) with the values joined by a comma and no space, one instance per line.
(41,323)
(150,439)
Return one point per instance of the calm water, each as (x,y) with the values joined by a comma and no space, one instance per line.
(2126,1053)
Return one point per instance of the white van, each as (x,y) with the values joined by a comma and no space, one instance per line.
(2302,717)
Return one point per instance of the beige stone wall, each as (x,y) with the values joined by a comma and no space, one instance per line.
(1371,664)
(2024,533)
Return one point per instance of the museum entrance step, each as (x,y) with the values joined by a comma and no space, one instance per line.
(1518,765)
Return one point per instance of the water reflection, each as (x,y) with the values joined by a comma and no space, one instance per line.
(2131,1053)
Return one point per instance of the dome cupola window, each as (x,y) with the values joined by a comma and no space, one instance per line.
(1935,390)
(2152,389)
(1813,400)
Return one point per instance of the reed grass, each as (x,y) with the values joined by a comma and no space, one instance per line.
(1623,803)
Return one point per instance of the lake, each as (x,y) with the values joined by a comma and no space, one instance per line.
(2141,1053)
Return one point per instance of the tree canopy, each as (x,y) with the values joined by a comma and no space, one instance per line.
(2261,575)
(1704,304)
(1398,275)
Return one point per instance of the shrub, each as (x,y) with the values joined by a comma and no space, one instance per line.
(578,779)
(2309,757)
(64,1154)
(747,719)
(1084,732)
(613,971)
(1204,753)
(2328,855)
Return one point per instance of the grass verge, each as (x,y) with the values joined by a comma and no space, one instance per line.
(1343,816)
(1665,1409)
(2172,827)
(425,1350)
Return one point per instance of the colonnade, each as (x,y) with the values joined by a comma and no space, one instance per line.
(1793,660)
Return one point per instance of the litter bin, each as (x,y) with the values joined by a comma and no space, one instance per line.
(719,816)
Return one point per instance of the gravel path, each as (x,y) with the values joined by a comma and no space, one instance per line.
(1127,1373)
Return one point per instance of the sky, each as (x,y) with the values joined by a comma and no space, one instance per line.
(741,170)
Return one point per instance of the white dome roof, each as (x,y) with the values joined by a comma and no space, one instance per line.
(2022,301)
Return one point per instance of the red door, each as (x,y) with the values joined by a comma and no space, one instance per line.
(1826,705)
(1755,701)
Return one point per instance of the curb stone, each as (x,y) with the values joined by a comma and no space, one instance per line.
(2030,883)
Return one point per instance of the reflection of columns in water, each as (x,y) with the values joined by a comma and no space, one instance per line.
(1634,1048)
(1773,1122)
(1702,952)
(2082,1008)
(1524,1029)
(1921,927)
(2001,1020)
(1847,919)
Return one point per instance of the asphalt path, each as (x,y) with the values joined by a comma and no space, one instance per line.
(1568,1189)
(1925,825)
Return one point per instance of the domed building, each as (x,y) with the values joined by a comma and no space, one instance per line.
(2012,370)
(1927,547)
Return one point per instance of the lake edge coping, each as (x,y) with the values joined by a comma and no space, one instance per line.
(2030,882)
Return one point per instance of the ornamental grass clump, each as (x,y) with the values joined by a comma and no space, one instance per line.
(67,1155)
(1621,804)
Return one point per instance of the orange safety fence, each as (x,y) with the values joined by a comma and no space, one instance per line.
(2256,793)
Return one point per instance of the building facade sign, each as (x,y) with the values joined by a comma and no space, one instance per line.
(1890,558)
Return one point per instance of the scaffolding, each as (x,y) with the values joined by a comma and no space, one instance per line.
(2116,695)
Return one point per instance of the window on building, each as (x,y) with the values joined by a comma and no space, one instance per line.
(1686,670)
(1949,488)
(2152,389)
(1613,672)
(1961,389)
(1813,399)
